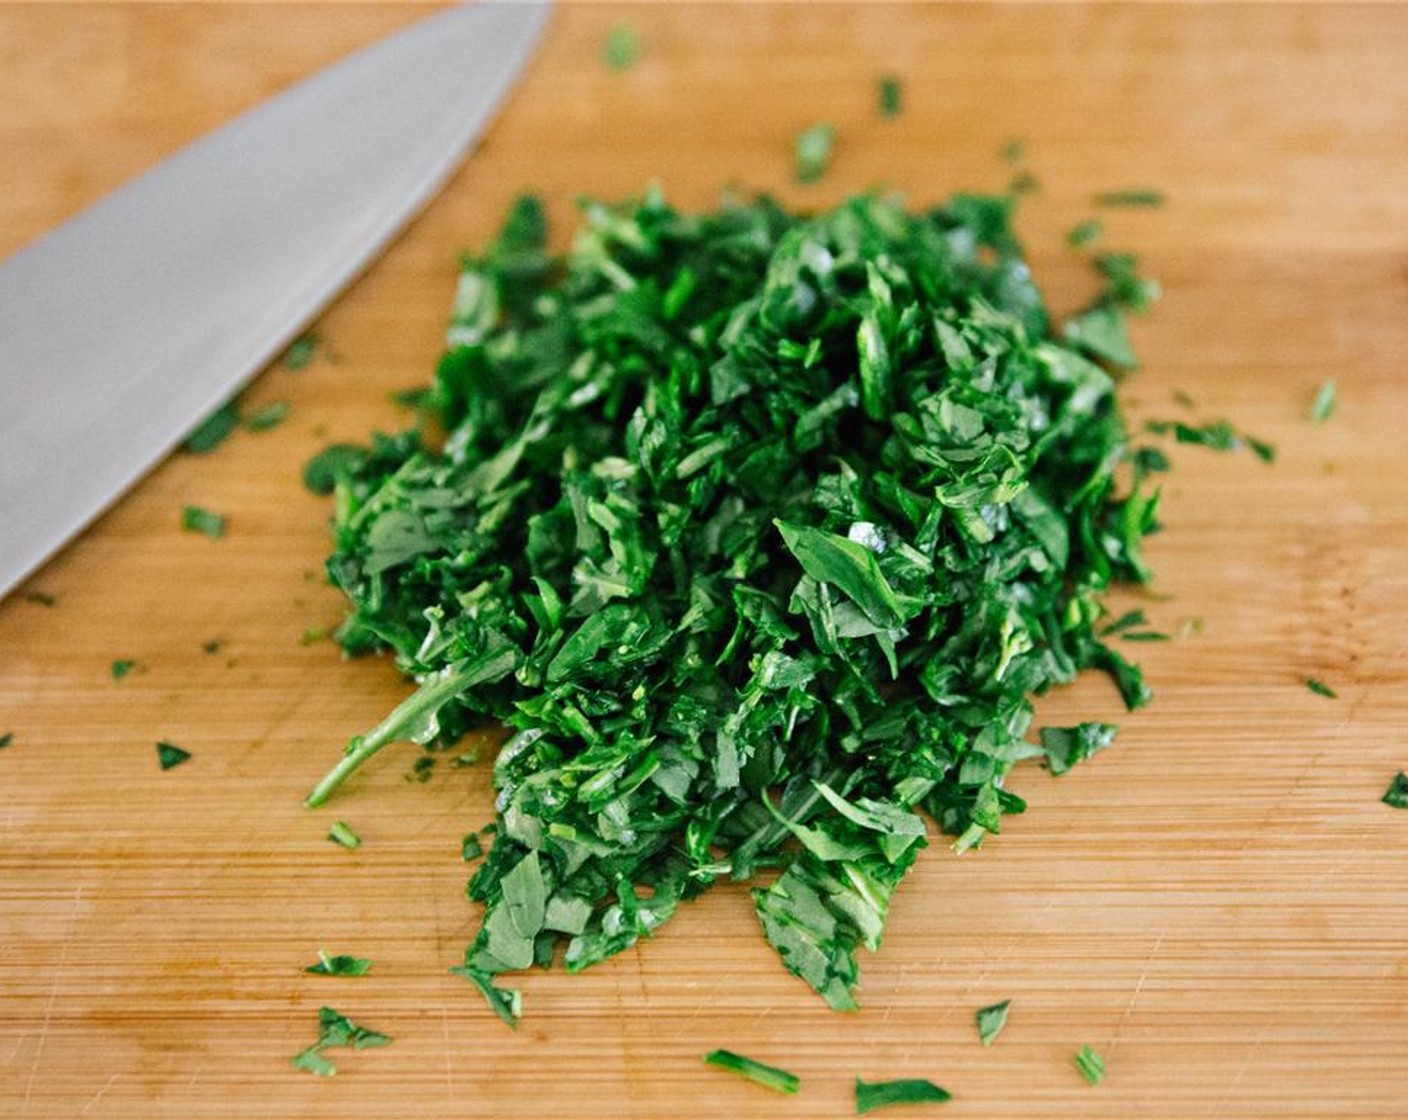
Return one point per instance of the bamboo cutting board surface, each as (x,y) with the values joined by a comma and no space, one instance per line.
(1217,904)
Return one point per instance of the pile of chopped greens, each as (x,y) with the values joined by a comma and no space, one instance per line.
(758,532)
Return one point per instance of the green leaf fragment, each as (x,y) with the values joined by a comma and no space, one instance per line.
(770,1077)
(1091,1065)
(890,96)
(169,755)
(336,1029)
(812,152)
(121,668)
(339,965)
(300,352)
(620,50)
(6,739)
(1396,795)
(214,429)
(1131,198)
(203,521)
(270,416)
(1065,746)
(341,833)
(1320,688)
(991,1020)
(1325,402)
(1084,233)
(909,1090)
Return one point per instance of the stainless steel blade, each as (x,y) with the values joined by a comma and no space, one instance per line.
(124,327)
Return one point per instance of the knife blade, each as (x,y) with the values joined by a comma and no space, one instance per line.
(124,327)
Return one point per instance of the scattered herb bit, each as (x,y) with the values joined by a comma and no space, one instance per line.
(270,416)
(909,1090)
(313,635)
(1091,1065)
(1219,436)
(411,398)
(1014,151)
(197,520)
(6,739)
(506,1003)
(1124,287)
(813,150)
(120,669)
(1189,627)
(340,833)
(423,768)
(759,532)
(1146,636)
(300,352)
(1083,233)
(1101,333)
(1396,795)
(891,96)
(335,1029)
(41,598)
(1024,182)
(340,460)
(1126,621)
(1182,398)
(1065,746)
(470,848)
(214,429)
(169,755)
(991,1020)
(339,965)
(212,646)
(1320,688)
(779,1080)
(621,48)
(1130,198)
(1325,402)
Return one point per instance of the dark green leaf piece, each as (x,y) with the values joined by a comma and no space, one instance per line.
(1320,688)
(300,352)
(770,1077)
(1084,233)
(1134,198)
(335,1029)
(214,429)
(890,94)
(1065,746)
(1396,795)
(270,416)
(6,739)
(341,833)
(203,521)
(40,598)
(991,1020)
(910,1090)
(169,755)
(121,668)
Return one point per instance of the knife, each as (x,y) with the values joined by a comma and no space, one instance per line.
(124,327)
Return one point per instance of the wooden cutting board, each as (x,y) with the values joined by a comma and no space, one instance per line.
(1217,905)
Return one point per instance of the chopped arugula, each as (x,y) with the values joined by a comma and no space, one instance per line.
(214,429)
(991,1020)
(779,1080)
(890,93)
(1320,688)
(1218,436)
(300,352)
(621,48)
(1396,794)
(212,646)
(322,471)
(1014,150)
(812,152)
(470,847)
(121,668)
(40,598)
(270,416)
(758,532)
(6,739)
(909,1090)
(169,755)
(339,965)
(1065,746)
(1130,198)
(341,833)
(335,1029)
(506,1003)
(1124,286)
(1126,621)
(1325,402)
(1083,233)
(197,520)
(1091,1065)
